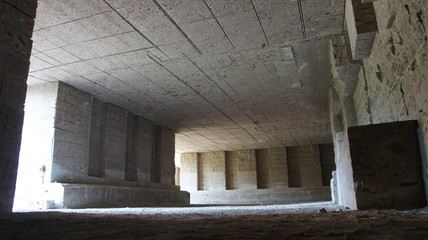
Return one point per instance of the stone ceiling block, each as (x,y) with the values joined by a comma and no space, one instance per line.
(212,70)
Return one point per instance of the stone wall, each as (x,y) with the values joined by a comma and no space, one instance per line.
(232,169)
(278,167)
(247,172)
(189,172)
(272,169)
(85,141)
(389,84)
(257,176)
(211,171)
(72,135)
(393,83)
(16,29)
(115,143)
(306,165)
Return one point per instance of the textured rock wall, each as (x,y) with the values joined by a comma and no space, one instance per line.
(307,160)
(257,169)
(257,176)
(391,85)
(263,168)
(76,139)
(272,168)
(16,28)
(72,135)
(211,171)
(244,169)
(115,143)
(232,169)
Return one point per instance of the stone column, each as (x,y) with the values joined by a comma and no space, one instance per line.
(16,28)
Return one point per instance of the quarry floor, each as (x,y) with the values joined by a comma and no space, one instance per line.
(295,221)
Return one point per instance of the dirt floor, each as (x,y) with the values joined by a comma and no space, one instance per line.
(298,221)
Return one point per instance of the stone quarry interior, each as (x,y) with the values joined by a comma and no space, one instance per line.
(213,119)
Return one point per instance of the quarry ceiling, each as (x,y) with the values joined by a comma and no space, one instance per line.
(224,74)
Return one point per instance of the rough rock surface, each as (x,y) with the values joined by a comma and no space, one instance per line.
(217,222)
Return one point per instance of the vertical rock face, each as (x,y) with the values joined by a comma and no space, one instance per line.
(387,166)
(189,171)
(254,176)
(272,168)
(212,171)
(16,27)
(72,135)
(389,84)
(307,165)
(93,154)
(392,83)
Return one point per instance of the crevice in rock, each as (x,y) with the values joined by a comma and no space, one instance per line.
(379,73)
(413,66)
(404,99)
(420,18)
(366,89)
(391,41)
(406,6)
(391,21)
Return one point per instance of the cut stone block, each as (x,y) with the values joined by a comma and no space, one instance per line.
(387,167)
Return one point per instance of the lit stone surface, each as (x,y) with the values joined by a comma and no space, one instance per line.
(16,26)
